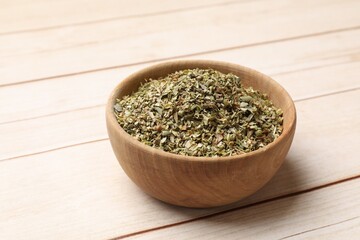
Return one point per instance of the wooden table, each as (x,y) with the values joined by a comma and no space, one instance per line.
(59,61)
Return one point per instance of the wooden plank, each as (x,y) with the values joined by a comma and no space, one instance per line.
(93,89)
(80,192)
(282,218)
(347,229)
(20,16)
(56,131)
(127,41)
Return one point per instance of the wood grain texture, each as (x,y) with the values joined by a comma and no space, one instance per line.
(93,89)
(276,220)
(120,43)
(346,229)
(74,188)
(24,16)
(80,190)
(57,131)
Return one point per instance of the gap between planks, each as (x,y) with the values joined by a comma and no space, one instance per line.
(185,55)
(318,228)
(241,207)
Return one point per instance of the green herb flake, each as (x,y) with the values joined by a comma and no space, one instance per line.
(199,112)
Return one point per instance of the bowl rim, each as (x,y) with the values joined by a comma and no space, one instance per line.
(111,120)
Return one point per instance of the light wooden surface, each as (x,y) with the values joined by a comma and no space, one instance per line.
(59,60)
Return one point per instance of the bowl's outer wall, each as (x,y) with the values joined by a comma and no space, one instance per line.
(200,182)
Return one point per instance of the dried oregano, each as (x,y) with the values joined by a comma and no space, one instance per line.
(199,112)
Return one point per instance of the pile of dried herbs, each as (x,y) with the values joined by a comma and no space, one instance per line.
(199,112)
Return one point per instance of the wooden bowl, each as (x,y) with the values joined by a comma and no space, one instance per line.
(200,181)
